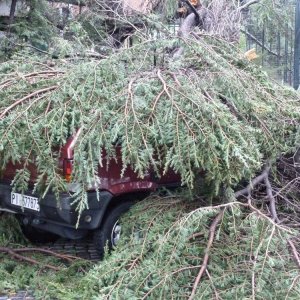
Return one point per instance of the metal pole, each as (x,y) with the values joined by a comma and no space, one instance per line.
(297,47)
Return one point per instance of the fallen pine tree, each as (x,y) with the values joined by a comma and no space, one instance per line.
(206,108)
(199,105)
(212,110)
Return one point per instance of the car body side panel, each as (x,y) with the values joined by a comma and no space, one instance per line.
(109,173)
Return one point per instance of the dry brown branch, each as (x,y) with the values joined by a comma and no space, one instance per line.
(295,252)
(16,103)
(69,258)
(195,235)
(15,255)
(212,231)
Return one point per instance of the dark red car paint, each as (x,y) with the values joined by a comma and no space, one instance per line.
(61,217)
(110,179)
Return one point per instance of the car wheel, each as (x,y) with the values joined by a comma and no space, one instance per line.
(110,231)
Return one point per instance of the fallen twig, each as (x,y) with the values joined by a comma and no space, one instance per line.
(254,182)
(262,178)
(212,231)
(271,199)
(295,253)
(26,259)
(69,258)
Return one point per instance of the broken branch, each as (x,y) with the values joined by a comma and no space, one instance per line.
(295,253)
(212,231)
(26,98)
(26,259)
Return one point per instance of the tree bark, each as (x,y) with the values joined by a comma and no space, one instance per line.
(74,2)
(12,13)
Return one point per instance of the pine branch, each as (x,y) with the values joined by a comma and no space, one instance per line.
(16,103)
(26,259)
(212,231)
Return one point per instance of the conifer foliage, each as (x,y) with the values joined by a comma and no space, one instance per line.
(210,110)
(161,255)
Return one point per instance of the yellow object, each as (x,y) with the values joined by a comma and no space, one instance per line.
(251,54)
(194,2)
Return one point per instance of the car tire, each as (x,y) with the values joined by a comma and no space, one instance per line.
(109,232)
(38,236)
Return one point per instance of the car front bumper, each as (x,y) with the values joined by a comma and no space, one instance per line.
(59,215)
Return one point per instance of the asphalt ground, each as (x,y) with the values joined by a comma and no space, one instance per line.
(18,296)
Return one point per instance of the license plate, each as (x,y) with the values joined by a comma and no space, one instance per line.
(25,201)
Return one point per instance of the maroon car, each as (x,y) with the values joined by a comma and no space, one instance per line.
(117,194)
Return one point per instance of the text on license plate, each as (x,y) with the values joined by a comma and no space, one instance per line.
(25,201)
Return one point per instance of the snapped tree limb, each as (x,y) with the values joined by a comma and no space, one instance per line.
(212,231)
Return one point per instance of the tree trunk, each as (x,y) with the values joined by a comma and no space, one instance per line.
(12,13)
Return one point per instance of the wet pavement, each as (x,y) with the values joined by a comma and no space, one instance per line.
(18,296)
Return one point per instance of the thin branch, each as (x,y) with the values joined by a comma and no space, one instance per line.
(259,43)
(213,286)
(295,253)
(43,74)
(15,255)
(271,199)
(69,258)
(26,98)
(263,177)
(32,47)
(254,182)
(247,4)
(212,231)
